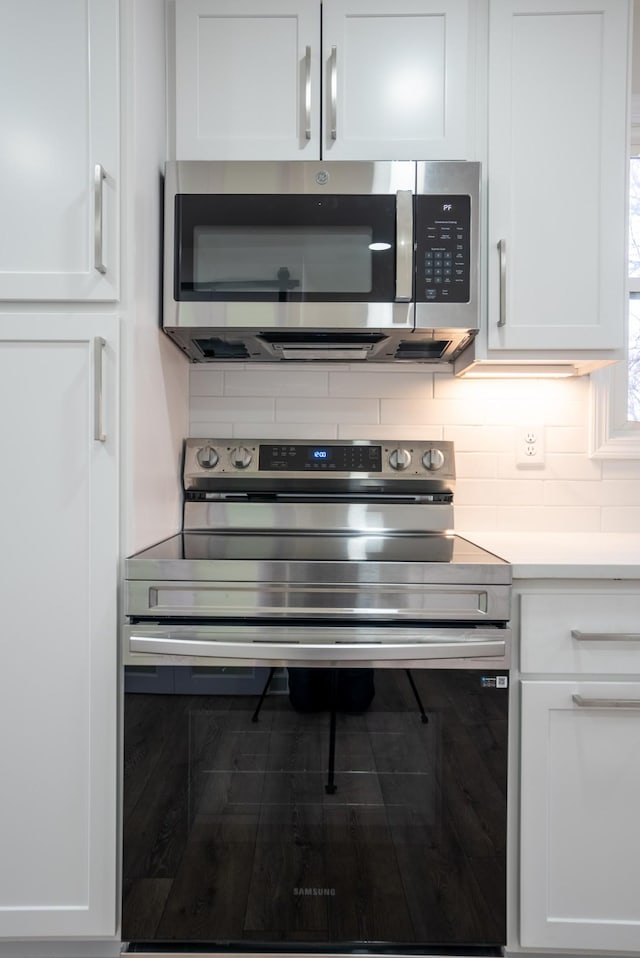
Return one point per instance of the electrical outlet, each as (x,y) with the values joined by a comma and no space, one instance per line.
(530,446)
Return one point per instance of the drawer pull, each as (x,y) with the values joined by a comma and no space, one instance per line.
(605,636)
(605,703)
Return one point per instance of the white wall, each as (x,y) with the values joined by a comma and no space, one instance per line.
(570,492)
(154,393)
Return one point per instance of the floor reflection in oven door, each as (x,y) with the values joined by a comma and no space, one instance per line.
(261,833)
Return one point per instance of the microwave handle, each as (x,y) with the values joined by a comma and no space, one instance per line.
(404,246)
(307,93)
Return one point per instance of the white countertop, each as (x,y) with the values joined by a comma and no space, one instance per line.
(562,555)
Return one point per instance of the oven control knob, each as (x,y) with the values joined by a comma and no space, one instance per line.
(400,459)
(433,459)
(240,457)
(207,457)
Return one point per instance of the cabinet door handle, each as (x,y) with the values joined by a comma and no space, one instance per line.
(404,246)
(98,424)
(333,91)
(99,176)
(585,703)
(307,93)
(605,636)
(502,259)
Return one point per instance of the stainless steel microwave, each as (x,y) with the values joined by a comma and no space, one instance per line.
(342,261)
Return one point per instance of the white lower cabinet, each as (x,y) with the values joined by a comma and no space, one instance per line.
(58,580)
(580,769)
(580,843)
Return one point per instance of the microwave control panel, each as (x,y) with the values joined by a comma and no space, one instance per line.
(443,249)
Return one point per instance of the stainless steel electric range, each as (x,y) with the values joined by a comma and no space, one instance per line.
(318,763)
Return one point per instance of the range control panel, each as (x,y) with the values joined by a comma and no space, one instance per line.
(209,462)
(322,457)
(443,248)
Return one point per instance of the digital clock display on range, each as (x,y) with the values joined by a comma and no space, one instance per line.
(293,457)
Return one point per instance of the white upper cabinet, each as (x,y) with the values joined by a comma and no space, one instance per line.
(558,73)
(59,152)
(247,80)
(395,79)
(345,80)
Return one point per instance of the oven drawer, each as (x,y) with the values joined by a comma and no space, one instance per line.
(335,600)
(317,645)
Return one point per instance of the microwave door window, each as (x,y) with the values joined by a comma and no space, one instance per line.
(283,260)
(275,249)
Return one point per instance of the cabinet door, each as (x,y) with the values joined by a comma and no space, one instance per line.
(557,173)
(247,80)
(59,154)
(58,681)
(580,841)
(395,79)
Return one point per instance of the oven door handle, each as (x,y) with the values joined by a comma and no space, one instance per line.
(302,653)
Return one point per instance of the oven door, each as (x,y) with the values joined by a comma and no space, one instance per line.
(353,798)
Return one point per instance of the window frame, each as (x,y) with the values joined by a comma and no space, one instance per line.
(612,434)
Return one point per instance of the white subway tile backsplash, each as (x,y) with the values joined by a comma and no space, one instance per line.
(480,438)
(620,492)
(475,492)
(392,384)
(326,410)
(569,493)
(572,466)
(548,519)
(308,432)
(566,439)
(621,469)
(205,382)
(535,393)
(476,465)
(620,519)
(270,381)
(439,412)
(556,466)
(221,367)
(471,519)
(221,409)
(395,433)
(211,430)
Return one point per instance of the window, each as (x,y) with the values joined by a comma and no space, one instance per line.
(615,430)
(633,372)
